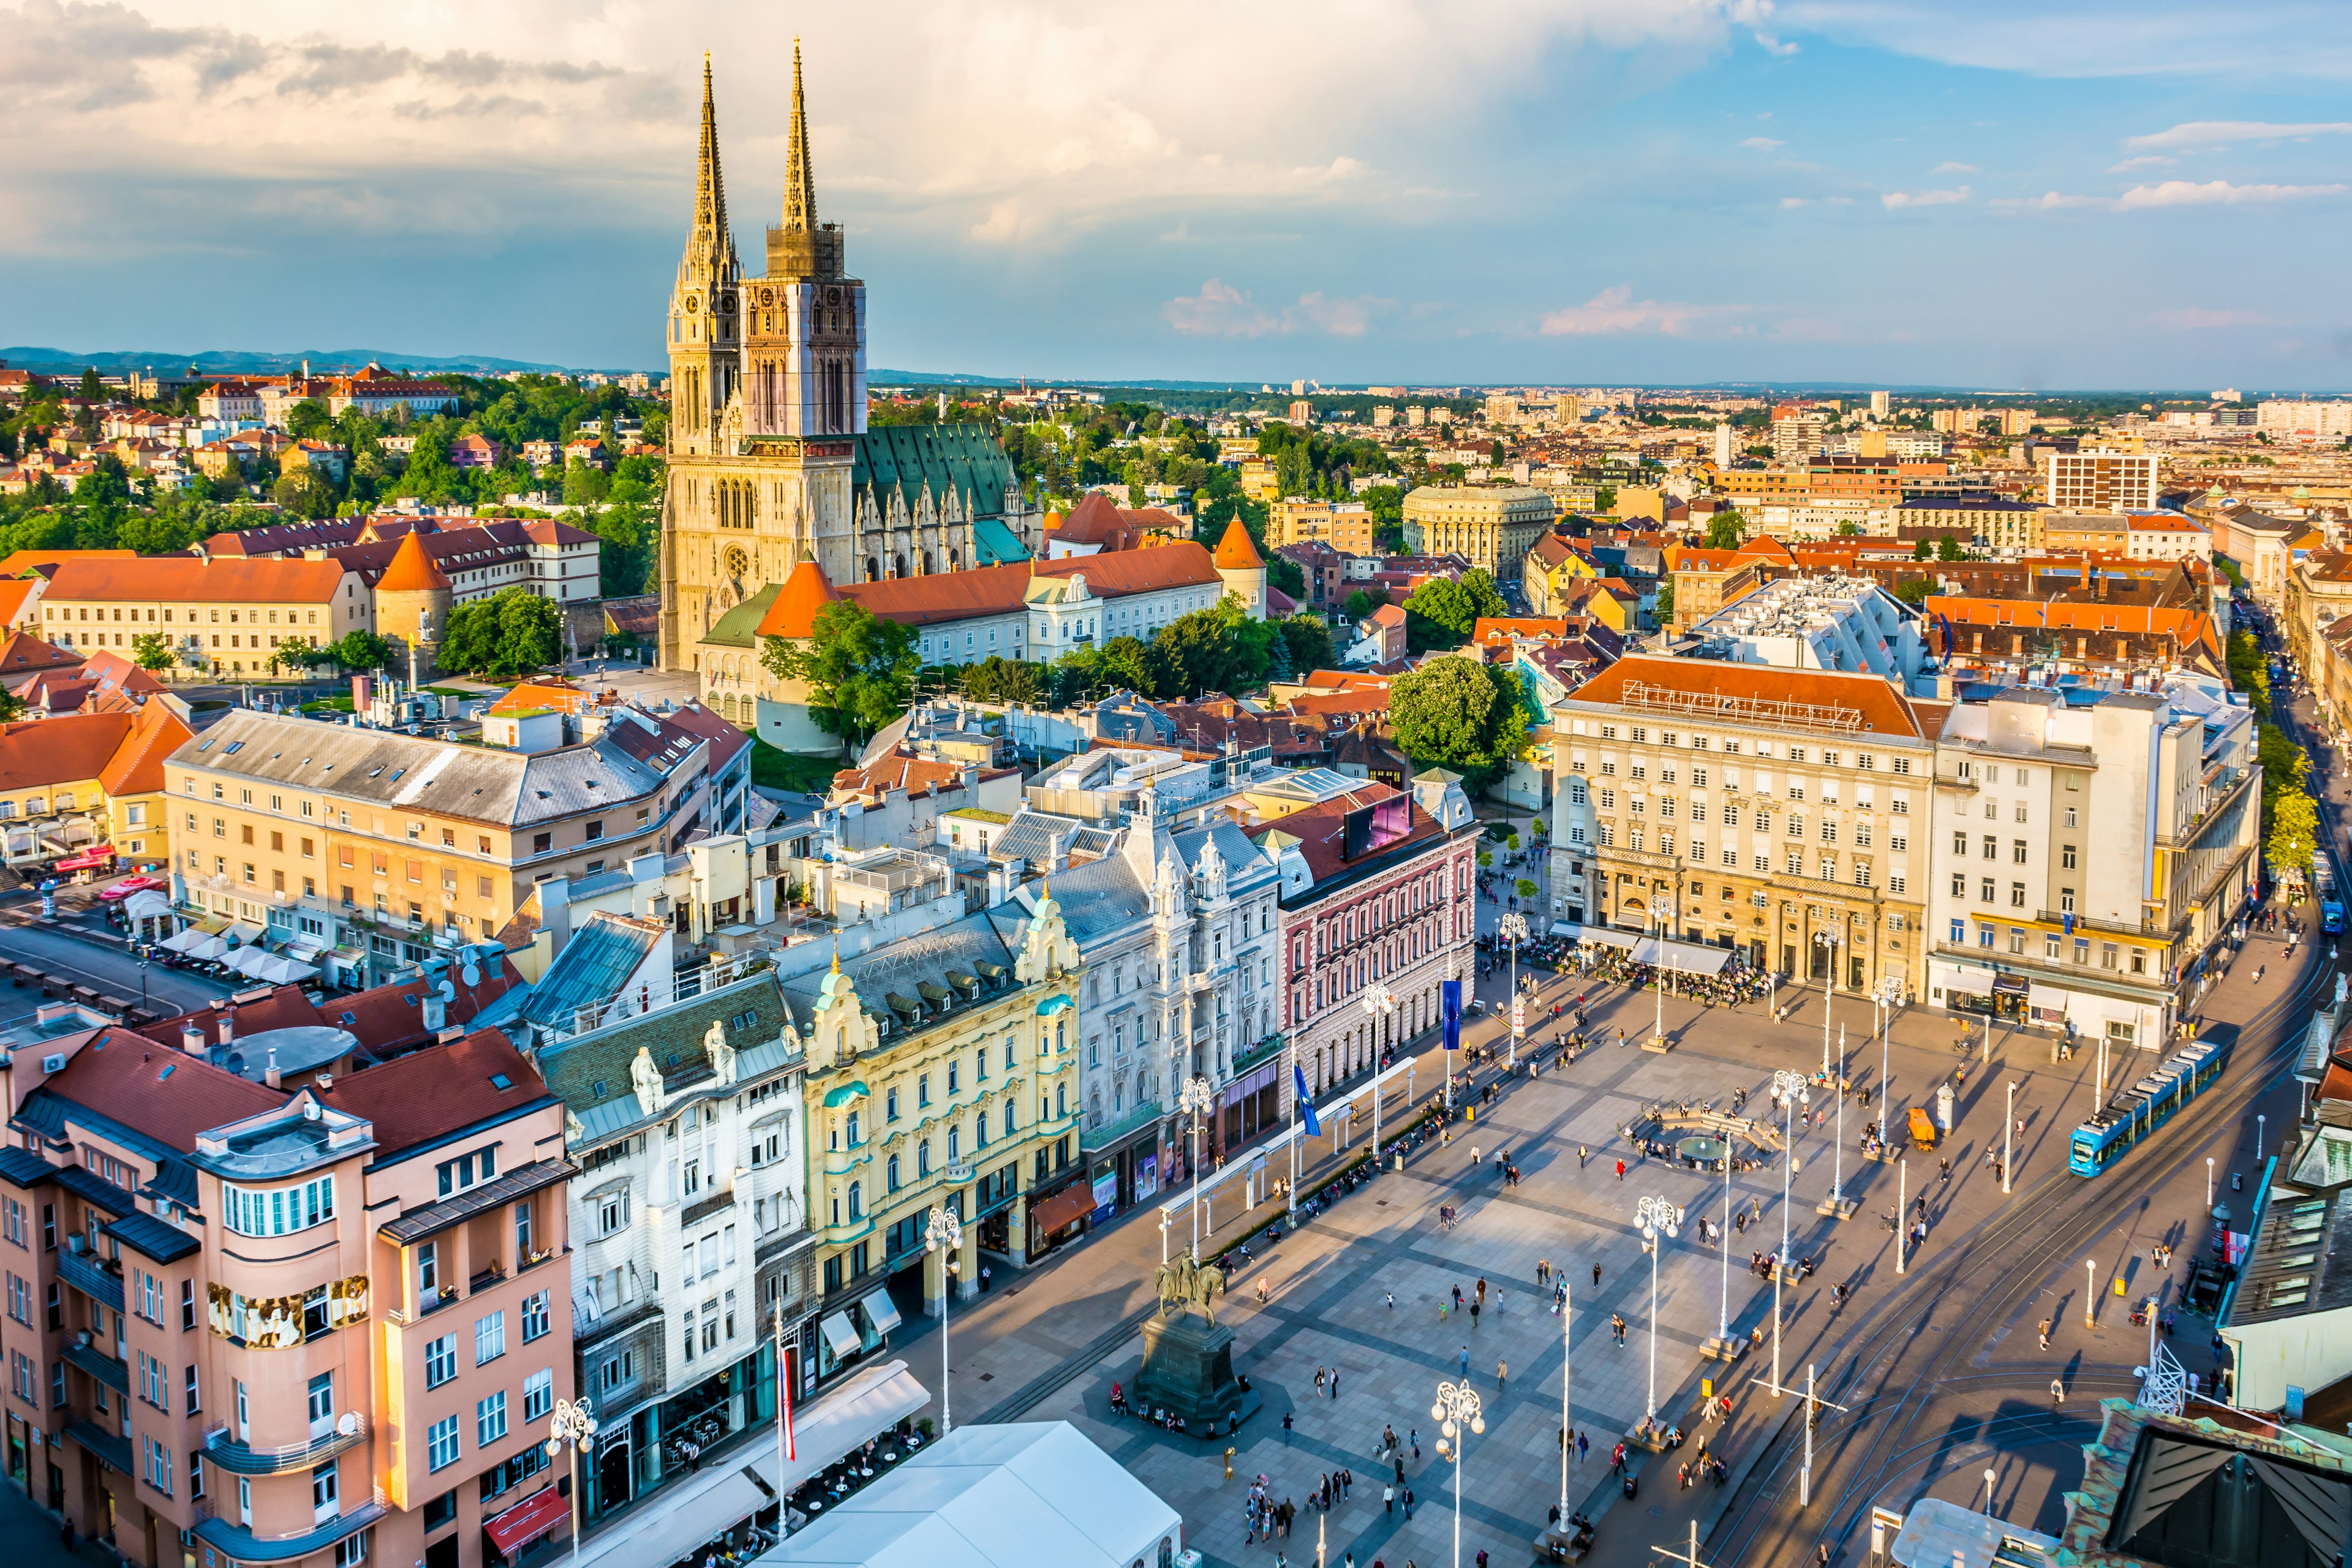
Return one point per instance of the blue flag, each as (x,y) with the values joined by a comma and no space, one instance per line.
(1305,1106)
(1450,1008)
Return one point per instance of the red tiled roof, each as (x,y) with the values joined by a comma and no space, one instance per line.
(13,596)
(412,569)
(39,752)
(430,1093)
(1002,590)
(1234,551)
(185,578)
(137,767)
(1883,709)
(807,591)
(123,1074)
(21,652)
(726,737)
(914,775)
(1503,628)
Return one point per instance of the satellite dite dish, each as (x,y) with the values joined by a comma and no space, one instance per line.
(472,973)
(347,1423)
(448,992)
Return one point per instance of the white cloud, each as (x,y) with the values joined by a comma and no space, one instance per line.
(1616,310)
(2048,201)
(1895,201)
(1222,310)
(1763,143)
(2189,193)
(2197,319)
(2219,132)
(1793,200)
(2141,165)
(1955,169)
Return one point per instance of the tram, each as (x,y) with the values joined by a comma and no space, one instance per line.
(2141,1109)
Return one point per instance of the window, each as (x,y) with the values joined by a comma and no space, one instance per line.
(326,1491)
(489,1419)
(2066,856)
(457,1175)
(539,1395)
(1960,884)
(535,1317)
(278,1212)
(1985,890)
(490,1338)
(441,1444)
(612,1212)
(159,1466)
(189,1391)
(440,1361)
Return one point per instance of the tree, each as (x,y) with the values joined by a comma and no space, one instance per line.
(1923,551)
(1914,591)
(859,669)
(1360,604)
(1949,548)
(1283,573)
(1524,887)
(1217,650)
(1310,641)
(510,633)
(1460,714)
(1726,530)
(152,650)
(2250,672)
(999,680)
(91,391)
(1663,608)
(1848,530)
(1448,610)
(2294,836)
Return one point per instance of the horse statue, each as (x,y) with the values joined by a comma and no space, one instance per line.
(1185,1284)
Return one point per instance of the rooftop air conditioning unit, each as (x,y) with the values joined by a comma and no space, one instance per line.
(53,1062)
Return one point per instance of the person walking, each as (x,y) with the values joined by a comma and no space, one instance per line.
(2045,1334)
(1596,1277)
(1318,1382)
(1502,1376)
(1335,1383)
(1286,1428)
(2057,1392)
(1473,1317)
(1621,1170)
(1388,1498)
(1466,1360)
(1408,1505)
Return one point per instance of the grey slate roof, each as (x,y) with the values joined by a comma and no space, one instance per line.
(1030,836)
(911,983)
(1097,900)
(590,1072)
(506,789)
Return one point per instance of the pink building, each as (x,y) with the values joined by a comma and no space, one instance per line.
(265,1309)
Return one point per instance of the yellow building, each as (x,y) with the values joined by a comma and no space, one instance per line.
(1259,482)
(1548,571)
(222,617)
(942,1071)
(1492,526)
(75,782)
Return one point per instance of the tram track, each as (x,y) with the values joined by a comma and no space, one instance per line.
(2043,1222)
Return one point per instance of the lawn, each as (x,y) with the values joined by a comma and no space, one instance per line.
(782,770)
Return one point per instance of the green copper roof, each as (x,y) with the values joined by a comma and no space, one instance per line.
(739,627)
(964,458)
(996,544)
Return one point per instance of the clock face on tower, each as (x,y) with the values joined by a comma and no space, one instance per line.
(692,304)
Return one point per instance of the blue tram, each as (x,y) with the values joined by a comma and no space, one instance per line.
(2141,1109)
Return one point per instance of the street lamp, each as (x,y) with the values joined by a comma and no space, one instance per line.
(943,1234)
(573,1427)
(1839,1205)
(1380,1005)
(2209,1183)
(1194,1099)
(1514,927)
(2008,1143)
(1655,1215)
(1827,941)
(1457,1415)
(1890,992)
(1789,1092)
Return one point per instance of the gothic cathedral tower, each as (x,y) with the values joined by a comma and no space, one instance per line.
(767,403)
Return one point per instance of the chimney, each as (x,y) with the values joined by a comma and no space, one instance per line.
(269,1073)
(971,784)
(436,1009)
(192,1040)
(227,1028)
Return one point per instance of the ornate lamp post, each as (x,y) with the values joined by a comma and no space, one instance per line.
(1457,1415)
(943,1234)
(1655,1215)
(573,1427)
(1514,926)
(1194,1100)
(1828,942)
(1837,1205)
(1789,1091)
(1380,1005)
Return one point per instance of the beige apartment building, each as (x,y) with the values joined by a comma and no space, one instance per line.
(310,1321)
(221,617)
(1346,526)
(367,845)
(1492,526)
(1781,814)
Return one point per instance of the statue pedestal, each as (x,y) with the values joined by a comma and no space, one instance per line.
(1188,1367)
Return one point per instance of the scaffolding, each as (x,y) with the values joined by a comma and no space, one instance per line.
(1770,712)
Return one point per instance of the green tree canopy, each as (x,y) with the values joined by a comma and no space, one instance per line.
(152,650)
(1460,714)
(511,633)
(1309,642)
(998,679)
(1441,613)
(859,669)
(1360,604)
(1725,530)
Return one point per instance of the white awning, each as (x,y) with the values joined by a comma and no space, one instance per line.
(146,904)
(881,1311)
(1974,982)
(1658,952)
(675,1521)
(840,1335)
(184,940)
(243,932)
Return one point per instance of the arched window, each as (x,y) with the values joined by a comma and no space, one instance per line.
(923,1158)
(856,1203)
(892,1169)
(955,1144)
(853,1130)
(1061,1099)
(1058,1044)
(1008,1118)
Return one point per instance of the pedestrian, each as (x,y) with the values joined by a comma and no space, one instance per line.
(1621,1170)
(983,1278)
(1347,1482)
(1466,1360)
(1457,1298)
(2057,1390)
(1502,1375)
(1413,1435)
(1388,1498)
(1482,1289)
(1408,1496)
(1473,1317)
(1335,1383)
(1318,1382)
(1596,1273)
(1286,1428)
(1822,1554)
(1391,1300)
(2045,1334)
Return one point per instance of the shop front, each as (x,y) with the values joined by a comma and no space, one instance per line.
(642,1450)
(1062,1215)
(1123,1161)
(849,1336)
(1250,1105)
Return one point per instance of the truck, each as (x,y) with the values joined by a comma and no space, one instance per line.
(2331,900)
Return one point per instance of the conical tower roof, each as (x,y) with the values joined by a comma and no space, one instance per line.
(412,569)
(1234,551)
(793,615)
(800,176)
(710,244)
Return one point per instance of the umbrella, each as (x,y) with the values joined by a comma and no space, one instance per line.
(186,941)
(207,948)
(250,961)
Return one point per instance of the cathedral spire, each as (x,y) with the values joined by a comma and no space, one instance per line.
(711,239)
(800,179)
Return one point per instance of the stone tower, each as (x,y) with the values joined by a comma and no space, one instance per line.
(1243,568)
(411,603)
(705,305)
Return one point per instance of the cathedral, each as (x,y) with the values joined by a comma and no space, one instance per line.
(771,463)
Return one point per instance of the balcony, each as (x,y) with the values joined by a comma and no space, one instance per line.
(243,1546)
(1244,1060)
(256,1459)
(114,1372)
(1104,1137)
(2084,925)
(92,1277)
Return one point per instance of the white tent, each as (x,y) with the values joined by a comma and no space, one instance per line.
(248,961)
(995,1497)
(208,947)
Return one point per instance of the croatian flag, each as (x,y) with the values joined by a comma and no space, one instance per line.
(1305,1106)
(1450,1006)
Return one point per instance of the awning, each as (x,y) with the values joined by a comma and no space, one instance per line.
(837,1097)
(242,931)
(88,860)
(1050,1214)
(840,1335)
(2010,986)
(184,940)
(881,1311)
(677,1521)
(146,904)
(1975,982)
(528,1520)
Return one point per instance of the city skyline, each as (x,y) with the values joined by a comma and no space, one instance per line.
(1690,193)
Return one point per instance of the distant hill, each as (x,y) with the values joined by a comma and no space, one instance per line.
(242,362)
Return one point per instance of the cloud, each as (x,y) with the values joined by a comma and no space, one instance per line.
(2187,193)
(1955,169)
(2196,317)
(1794,201)
(1895,201)
(2219,132)
(1763,143)
(1616,310)
(1222,310)
(2048,201)
(2140,164)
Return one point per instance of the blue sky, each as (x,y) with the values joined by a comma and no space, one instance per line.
(2000,193)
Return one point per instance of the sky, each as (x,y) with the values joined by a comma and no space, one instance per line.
(2005,194)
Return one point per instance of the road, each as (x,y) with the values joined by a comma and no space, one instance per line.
(92,961)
